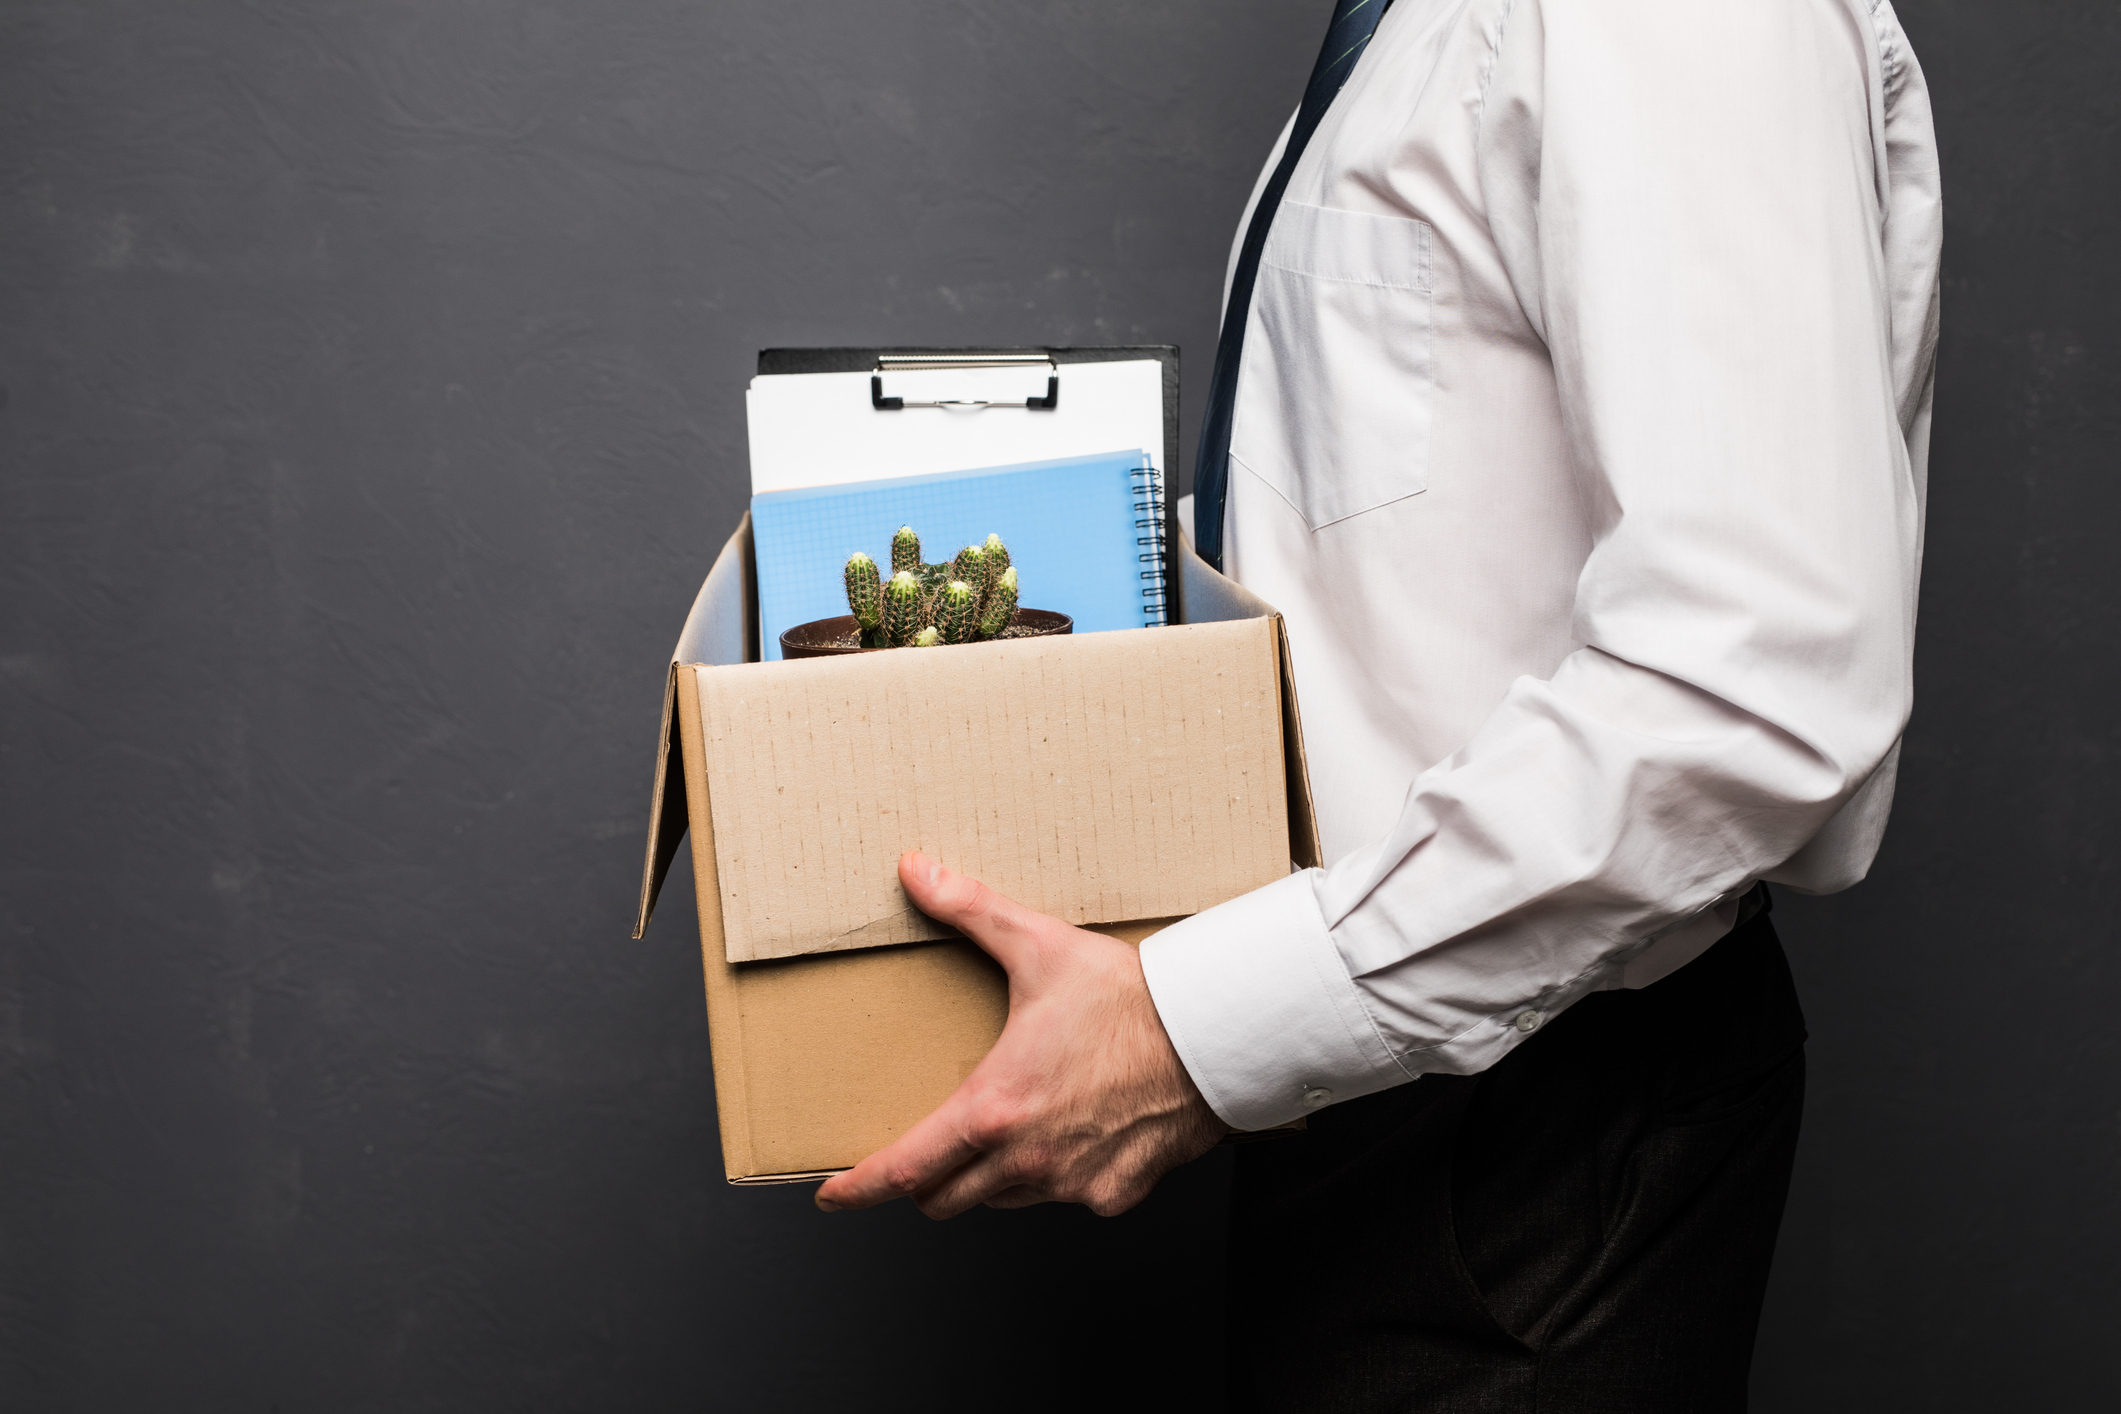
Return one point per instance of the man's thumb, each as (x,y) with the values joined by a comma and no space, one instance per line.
(1004,928)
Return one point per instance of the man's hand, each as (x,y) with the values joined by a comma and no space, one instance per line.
(1082,1100)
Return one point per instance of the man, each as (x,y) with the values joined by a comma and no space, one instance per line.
(1572,405)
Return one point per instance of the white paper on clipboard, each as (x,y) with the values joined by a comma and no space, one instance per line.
(818,429)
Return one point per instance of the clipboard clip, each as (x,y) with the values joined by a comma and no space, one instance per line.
(929,363)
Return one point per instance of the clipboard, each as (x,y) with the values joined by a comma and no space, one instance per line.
(899,380)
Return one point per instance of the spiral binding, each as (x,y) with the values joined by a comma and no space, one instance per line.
(1148,493)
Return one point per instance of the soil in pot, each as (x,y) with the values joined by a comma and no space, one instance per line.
(825,638)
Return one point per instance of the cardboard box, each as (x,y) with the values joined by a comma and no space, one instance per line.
(1116,780)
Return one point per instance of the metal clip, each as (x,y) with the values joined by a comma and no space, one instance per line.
(928,363)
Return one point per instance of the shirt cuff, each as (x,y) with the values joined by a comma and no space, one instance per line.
(1261,1009)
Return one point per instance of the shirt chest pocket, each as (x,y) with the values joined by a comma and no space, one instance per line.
(1338,381)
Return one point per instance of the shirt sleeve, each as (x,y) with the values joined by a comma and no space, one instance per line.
(1686,199)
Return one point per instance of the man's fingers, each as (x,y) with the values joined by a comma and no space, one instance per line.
(1020,1196)
(1002,926)
(923,1156)
(1073,1104)
(980,1181)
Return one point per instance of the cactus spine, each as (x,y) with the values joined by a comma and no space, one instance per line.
(865,592)
(971,596)
(999,611)
(902,610)
(932,578)
(957,613)
(970,565)
(905,550)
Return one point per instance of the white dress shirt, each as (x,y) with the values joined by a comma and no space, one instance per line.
(1581,438)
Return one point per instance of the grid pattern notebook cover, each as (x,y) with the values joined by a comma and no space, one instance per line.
(1076,531)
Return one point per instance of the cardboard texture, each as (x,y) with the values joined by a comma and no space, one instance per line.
(1177,781)
(1097,778)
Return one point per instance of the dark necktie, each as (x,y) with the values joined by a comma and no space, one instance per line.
(1354,21)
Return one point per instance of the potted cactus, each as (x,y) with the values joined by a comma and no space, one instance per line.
(969,598)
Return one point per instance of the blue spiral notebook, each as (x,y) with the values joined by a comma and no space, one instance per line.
(1085,535)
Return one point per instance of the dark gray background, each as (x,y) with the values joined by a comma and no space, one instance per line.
(373,407)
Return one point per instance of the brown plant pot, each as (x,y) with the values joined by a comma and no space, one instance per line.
(820,637)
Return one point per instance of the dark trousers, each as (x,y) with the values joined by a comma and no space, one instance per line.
(1585,1226)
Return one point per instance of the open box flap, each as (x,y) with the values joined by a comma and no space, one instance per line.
(723,627)
(1208,596)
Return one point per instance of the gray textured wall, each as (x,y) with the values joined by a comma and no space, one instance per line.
(373,379)
(1954,1237)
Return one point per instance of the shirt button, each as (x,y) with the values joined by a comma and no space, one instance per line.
(1527,1020)
(1317,1096)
